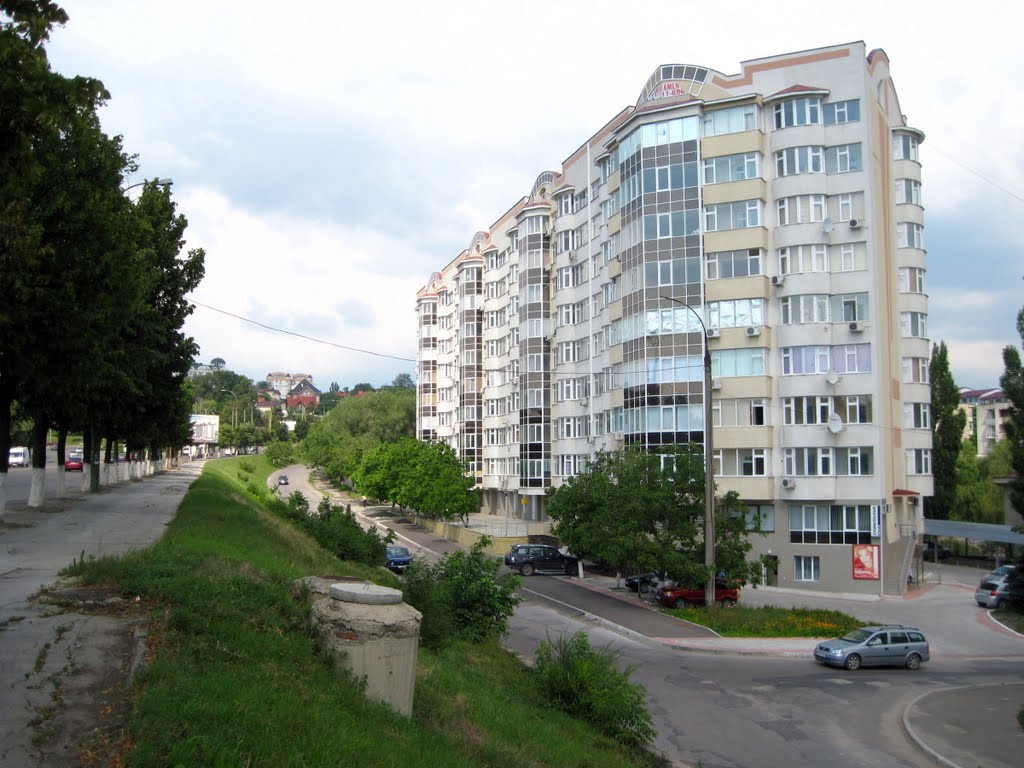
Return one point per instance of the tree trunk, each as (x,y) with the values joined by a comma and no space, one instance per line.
(62,440)
(40,428)
(86,457)
(6,401)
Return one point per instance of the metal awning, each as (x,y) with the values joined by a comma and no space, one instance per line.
(957,529)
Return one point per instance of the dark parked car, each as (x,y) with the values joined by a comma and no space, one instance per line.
(643,582)
(397,558)
(875,647)
(282,480)
(529,559)
(679,597)
(931,550)
(73,463)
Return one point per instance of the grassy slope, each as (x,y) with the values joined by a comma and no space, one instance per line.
(235,678)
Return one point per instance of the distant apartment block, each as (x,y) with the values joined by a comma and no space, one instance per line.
(774,215)
(987,412)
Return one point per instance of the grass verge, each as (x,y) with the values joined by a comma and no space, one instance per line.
(769,621)
(234,677)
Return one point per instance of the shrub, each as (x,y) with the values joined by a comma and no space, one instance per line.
(336,529)
(461,597)
(586,683)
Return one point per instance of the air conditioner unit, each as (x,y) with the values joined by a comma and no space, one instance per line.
(856,223)
(857,326)
(513,380)
(572,256)
(778,279)
(716,383)
(753,330)
(584,401)
(713,333)
(789,482)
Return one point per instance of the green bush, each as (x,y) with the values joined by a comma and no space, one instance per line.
(461,597)
(586,683)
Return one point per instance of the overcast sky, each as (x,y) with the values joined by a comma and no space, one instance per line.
(329,156)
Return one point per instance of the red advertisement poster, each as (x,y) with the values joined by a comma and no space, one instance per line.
(865,561)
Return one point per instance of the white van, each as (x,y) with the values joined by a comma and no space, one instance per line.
(19,457)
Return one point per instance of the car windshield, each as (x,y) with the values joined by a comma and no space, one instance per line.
(398,552)
(857,636)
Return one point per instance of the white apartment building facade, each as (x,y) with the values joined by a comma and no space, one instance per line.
(774,216)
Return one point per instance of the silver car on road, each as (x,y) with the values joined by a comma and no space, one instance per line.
(875,647)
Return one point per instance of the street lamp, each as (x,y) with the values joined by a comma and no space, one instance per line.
(234,408)
(709,478)
(158,182)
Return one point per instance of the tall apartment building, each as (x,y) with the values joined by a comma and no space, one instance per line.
(987,413)
(774,215)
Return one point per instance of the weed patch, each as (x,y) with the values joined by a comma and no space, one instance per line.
(769,621)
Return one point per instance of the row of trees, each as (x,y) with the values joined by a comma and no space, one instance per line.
(92,283)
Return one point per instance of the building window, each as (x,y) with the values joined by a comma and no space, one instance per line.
(911,280)
(803,258)
(718,170)
(797,112)
(801,209)
(668,177)
(915,370)
(674,224)
(733,120)
(738,362)
(738,215)
(741,462)
(843,159)
(908,191)
(807,308)
(796,160)
(726,264)
(807,567)
(914,325)
(738,313)
(763,513)
(917,415)
(841,112)
(919,461)
(905,147)
(830,524)
(909,235)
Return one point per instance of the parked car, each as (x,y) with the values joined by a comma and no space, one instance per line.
(931,549)
(397,558)
(282,479)
(875,647)
(643,582)
(529,559)
(993,593)
(998,573)
(18,457)
(73,463)
(726,594)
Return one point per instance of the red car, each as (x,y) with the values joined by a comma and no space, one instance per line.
(73,464)
(680,597)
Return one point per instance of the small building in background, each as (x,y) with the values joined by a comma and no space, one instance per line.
(987,412)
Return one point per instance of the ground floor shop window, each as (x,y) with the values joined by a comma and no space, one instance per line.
(808,568)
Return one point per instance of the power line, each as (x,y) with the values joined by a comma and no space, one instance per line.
(300,335)
(980,176)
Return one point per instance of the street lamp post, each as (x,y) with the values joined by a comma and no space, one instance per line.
(158,182)
(709,478)
(234,408)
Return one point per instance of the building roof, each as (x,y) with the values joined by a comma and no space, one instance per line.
(982,395)
(958,529)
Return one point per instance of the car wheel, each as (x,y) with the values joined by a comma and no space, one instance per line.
(570,569)
(913,661)
(527,569)
(852,662)
(727,603)
(679,604)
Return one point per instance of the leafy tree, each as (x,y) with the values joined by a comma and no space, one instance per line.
(218,363)
(948,423)
(635,509)
(976,498)
(1012,383)
(337,442)
(361,387)
(35,104)
(279,453)
(403,381)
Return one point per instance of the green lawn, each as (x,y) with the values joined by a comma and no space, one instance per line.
(769,621)
(235,679)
